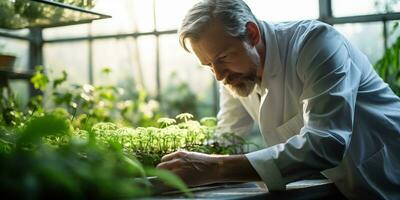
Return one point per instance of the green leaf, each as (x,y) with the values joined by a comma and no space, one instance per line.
(164,121)
(59,81)
(134,166)
(169,179)
(106,70)
(39,80)
(209,121)
(184,116)
(46,125)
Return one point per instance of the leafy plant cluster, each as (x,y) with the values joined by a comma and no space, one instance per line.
(84,145)
(89,104)
(149,144)
(102,109)
(45,159)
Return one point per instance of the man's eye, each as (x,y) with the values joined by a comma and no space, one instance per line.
(223,59)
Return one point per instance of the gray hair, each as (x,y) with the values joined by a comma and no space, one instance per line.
(233,14)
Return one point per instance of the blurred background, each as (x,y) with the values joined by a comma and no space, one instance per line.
(139,46)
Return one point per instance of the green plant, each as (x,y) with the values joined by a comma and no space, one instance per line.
(184,117)
(46,159)
(388,67)
(89,104)
(79,152)
(11,114)
(178,97)
(80,3)
(151,143)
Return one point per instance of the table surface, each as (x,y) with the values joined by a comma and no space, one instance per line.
(305,189)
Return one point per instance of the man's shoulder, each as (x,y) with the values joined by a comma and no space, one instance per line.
(300,41)
(301,26)
(297,34)
(301,31)
(292,36)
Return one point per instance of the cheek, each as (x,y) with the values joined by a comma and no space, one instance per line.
(242,64)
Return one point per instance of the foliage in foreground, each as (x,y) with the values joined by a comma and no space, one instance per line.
(46,160)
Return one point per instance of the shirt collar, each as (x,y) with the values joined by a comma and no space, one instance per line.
(272,64)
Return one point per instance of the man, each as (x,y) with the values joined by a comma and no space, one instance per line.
(319,103)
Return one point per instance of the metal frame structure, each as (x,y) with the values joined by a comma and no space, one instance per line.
(90,15)
(75,8)
(326,15)
(36,40)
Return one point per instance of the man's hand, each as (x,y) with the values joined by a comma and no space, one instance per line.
(200,169)
(194,168)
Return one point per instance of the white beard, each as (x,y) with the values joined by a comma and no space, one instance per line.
(245,89)
(247,83)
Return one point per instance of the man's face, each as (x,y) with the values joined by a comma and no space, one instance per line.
(233,61)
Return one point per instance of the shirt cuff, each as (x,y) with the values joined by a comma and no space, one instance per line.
(262,161)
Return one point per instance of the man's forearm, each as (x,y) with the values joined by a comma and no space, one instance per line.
(200,169)
(236,168)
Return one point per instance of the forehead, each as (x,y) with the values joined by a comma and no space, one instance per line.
(213,41)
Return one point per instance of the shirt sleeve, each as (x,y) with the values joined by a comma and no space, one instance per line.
(232,116)
(330,83)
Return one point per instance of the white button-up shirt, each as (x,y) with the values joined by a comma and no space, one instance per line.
(324,110)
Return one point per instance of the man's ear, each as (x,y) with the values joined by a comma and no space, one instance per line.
(253,33)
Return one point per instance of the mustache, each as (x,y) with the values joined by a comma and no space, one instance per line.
(233,77)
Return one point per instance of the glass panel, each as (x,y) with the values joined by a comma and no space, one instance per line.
(127,16)
(177,67)
(342,8)
(119,55)
(19,14)
(147,60)
(393,6)
(171,13)
(18,48)
(20,88)
(143,15)
(72,57)
(80,30)
(356,33)
(393,31)
(20,32)
(263,9)
(284,10)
